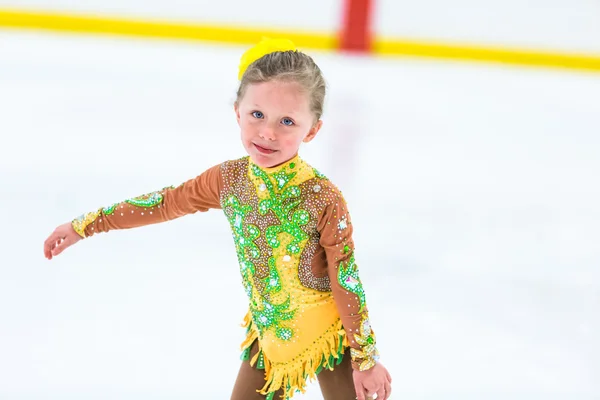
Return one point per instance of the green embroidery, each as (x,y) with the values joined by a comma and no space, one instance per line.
(148,200)
(282,179)
(110,210)
(273,281)
(281,207)
(318,174)
(265,314)
(349,280)
(270,316)
(244,241)
(282,200)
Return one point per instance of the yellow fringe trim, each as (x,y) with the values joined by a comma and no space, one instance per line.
(252,335)
(294,374)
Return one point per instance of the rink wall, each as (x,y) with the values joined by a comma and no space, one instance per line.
(557,33)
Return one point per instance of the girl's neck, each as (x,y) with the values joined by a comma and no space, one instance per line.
(274,167)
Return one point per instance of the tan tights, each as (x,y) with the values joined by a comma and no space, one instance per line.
(335,385)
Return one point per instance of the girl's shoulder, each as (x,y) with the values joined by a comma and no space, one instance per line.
(236,165)
(322,187)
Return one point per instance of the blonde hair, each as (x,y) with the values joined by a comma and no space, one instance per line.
(287,66)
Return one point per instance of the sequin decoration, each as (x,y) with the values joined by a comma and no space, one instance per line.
(80,223)
(289,279)
(279,202)
(368,355)
(273,281)
(318,174)
(282,178)
(244,241)
(149,199)
(343,224)
(282,206)
(270,316)
(282,200)
(110,209)
(266,314)
(245,245)
(349,280)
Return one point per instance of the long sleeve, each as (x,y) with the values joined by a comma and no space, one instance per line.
(198,194)
(335,228)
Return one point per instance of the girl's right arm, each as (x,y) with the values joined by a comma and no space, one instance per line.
(199,194)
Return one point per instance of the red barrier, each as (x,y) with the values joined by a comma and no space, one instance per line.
(356,33)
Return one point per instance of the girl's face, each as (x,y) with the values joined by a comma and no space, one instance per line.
(275,118)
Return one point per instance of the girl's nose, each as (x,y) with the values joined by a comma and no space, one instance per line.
(267,133)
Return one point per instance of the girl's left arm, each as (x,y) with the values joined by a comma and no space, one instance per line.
(335,228)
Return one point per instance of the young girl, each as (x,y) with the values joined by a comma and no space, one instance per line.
(307,313)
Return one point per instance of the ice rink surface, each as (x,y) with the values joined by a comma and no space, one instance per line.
(474,191)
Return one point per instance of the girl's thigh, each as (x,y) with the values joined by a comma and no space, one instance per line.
(249,380)
(338,384)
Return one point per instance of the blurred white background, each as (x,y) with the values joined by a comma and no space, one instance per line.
(473,188)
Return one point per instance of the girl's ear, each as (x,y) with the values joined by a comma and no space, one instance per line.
(313,131)
(236,108)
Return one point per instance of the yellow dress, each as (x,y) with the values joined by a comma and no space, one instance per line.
(293,237)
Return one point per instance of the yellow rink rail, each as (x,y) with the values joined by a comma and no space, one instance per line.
(87,24)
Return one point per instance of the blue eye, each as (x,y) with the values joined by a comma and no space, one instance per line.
(287,121)
(257,114)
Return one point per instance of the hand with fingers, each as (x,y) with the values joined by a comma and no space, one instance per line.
(374,381)
(64,236)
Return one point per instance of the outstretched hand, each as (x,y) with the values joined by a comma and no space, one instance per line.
(64,236)
(374,381)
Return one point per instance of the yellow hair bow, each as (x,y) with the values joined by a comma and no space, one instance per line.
(262,48)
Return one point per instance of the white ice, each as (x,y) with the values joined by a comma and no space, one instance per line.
(474,191)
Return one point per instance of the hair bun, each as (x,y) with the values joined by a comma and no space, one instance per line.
(264,47)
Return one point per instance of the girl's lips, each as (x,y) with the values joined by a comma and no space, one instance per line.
(263,149)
